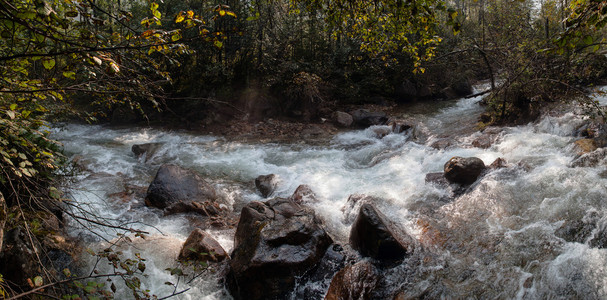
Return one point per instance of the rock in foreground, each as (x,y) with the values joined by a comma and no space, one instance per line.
(354,282)
(464,170)
(275,242)
(375,236)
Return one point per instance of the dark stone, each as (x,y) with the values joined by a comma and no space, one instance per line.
(437,178)
(266,184)
(464,170)
(148,150)
(448,93)
(353,204)
(484,141)
(275,242)
(314,284)
(343,119)
(303,194)
(375,236)
(200,246)
(354,282)
(576,231)
(366,118)
(462,87)
(178,190)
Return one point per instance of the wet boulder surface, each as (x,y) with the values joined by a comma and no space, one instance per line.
(275,242)
(179,190)
(464,170)
(375,236)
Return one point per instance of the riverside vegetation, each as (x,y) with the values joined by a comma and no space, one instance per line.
(204,65)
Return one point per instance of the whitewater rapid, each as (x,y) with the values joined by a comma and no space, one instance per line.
(499,240)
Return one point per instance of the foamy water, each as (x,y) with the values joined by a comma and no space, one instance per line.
(496,241)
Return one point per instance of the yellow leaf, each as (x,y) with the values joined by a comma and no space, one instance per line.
(179,18)
(222,12)
(114,67)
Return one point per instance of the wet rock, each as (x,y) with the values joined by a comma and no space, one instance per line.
(303,194)
(447,93)
(366,118)
(462,87)
(487,138)
(352,207)
(375,236)
(591,159)
(400,126)
(437,178)
(314,284)
(343,119)
(464,170)
(148,150)
(178,190)
(354,282)
(584,146)
(200,246)
(266,184)
(498,163)
(3,215)
(442,143)
(275,242)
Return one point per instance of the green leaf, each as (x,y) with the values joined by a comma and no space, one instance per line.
(48,63)
(157,14)
(218,44)
(69,74)
(13,106)
(154,6)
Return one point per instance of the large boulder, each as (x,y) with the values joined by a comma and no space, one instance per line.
(354,282)
(352,207)
(275,242)
(178,190)
(266,184)
(375,236)
(200,246)
(464,170)
(366,118)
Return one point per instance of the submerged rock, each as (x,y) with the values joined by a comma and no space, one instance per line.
(591,159)
(354,282)
(375,236)
(464,170)
(148,149)
(179,190)
(400,126)
(498,163)
(584,146)
(275,242)
(200,246)
(314,284)
(266,184)
(437,178)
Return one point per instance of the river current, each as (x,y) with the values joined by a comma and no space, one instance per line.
(499,240)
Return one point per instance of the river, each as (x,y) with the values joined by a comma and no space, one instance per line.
(498,240)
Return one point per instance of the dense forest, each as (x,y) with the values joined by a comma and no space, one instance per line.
(190,64)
